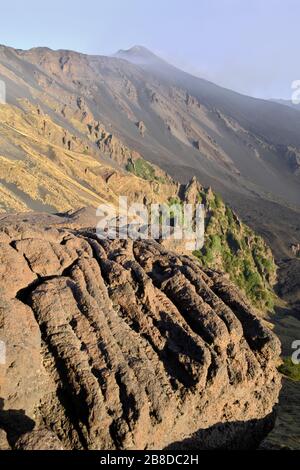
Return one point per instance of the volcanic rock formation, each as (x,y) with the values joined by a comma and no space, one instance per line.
(125,345)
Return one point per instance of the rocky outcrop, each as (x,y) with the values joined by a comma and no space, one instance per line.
(141,127)
(38,440)
(292,156)
(232,247)
(4,445)
(295,249)
(110,145)
(125,345)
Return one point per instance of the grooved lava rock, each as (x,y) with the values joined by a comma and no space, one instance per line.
(125,345)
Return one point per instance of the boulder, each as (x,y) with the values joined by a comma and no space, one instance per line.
(126,345)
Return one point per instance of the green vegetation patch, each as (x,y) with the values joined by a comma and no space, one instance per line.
(290,370)
(143,170)
(232,247)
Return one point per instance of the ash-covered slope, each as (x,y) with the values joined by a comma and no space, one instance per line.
(262,117)
(70,118)
(121,345)
(289,103)
(186,125)
(73,121)
(248,130)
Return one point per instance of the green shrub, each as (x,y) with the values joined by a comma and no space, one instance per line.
(229,215)
(215,243)
(232,247)
(142,169)
(233,242)
(175,201)
(207,257)
(289,369)
(218,201)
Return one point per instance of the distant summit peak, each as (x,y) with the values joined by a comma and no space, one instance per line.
(139,49)
(138,55)
(136,50)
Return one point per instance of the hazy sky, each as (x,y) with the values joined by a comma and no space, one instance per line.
(251,46)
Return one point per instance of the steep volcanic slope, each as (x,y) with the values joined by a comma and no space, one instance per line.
(70,116)
(56,156)
(261,142)
(82,112)
(289,103)
(250,136)
(117,345)
(72,120)
(182,123)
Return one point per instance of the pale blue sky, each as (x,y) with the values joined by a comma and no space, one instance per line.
(251,46)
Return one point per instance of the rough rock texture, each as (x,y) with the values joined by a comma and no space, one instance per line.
(38,440)
(141,127)
(125,345)
(4,445)
(296,249)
